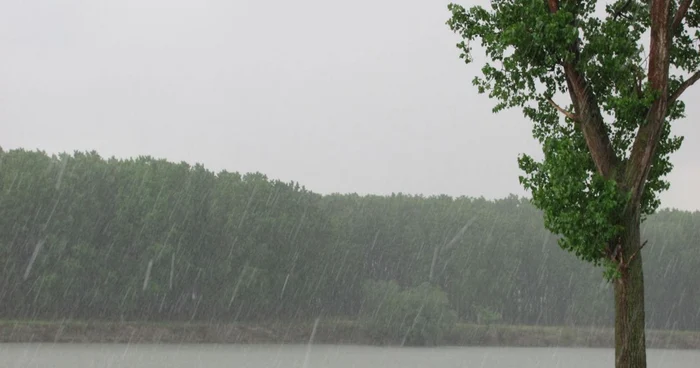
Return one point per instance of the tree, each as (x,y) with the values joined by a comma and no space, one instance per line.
(604,164)
(85,238)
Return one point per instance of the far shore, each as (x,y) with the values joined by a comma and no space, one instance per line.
(327,332)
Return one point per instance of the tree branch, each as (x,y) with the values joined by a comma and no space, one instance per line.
(613,254)
(592,123)
(566,113)
(680,14)
(629,261)
(687,83)
(588,113)
(649,133)
(617,256)
(621,9)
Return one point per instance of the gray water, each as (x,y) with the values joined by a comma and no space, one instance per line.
(318,356)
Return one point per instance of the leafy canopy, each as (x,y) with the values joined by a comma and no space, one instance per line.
(528,47)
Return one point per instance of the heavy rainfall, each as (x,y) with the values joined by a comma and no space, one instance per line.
(308,184)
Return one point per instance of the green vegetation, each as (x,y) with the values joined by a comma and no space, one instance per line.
(93,239)
(607,152)
(415,316)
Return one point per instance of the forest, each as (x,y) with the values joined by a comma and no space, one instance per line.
(145,239)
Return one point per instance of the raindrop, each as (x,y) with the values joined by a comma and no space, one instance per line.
(311,341)
(148,274)
(38,247)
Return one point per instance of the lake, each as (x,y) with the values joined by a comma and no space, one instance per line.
(317,356)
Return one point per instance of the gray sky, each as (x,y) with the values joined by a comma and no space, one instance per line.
(364,96)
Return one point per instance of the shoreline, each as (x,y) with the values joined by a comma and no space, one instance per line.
(327,332)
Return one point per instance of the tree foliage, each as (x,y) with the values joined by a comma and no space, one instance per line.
(538,50)
(85,237)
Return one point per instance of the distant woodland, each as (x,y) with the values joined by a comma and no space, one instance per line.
(145,239)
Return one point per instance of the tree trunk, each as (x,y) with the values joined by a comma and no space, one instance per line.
(630,340)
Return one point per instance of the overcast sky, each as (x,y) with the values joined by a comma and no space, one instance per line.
(364,96)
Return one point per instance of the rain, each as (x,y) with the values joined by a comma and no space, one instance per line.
(317,184)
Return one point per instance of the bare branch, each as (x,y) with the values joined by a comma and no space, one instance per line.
(687,83)
(566,113)
(616,256)
(636,251)
(680,14)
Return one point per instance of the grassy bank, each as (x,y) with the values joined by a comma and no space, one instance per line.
(328,332)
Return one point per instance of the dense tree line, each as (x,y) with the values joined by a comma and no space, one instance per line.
(146,239)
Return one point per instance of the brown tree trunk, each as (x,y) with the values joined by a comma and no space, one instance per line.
(630,340)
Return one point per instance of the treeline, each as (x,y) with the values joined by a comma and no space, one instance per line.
(146,239)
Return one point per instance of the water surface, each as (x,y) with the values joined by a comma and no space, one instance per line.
(318,356)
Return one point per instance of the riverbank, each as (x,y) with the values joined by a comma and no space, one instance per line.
(327,332)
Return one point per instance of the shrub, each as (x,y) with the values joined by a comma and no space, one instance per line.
(414,316)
